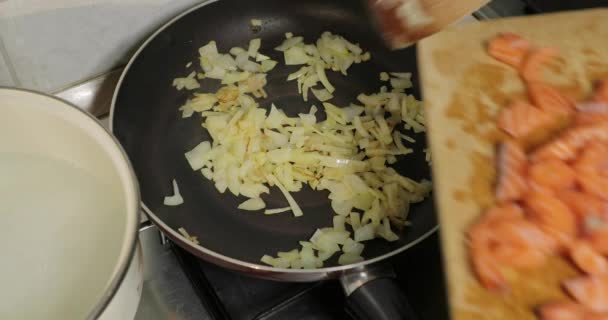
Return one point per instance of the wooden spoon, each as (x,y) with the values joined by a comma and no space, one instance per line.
(403,22)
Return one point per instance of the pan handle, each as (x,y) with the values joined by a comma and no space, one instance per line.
(372,293)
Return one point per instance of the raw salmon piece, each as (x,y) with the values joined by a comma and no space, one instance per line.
(591,168)
(531,67)
(565,310)
(509,210)
(521,244)
(567,145)
(583,204)
(591,291)
(521,118)
(601,91)
(522,233)
(594,184)
(552,216)
(593,158)
(585,118)
(508,48)
(478,232)
(568,310)
(587,259)
(511,238)
(511,163)
(519,257)
(553,174)
(591,112)
(482,239)
(596,316)
(592,107)
(484,265)
(598,239)
(549,98)
(486,269)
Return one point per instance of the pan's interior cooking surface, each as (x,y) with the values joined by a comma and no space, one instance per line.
(149,125)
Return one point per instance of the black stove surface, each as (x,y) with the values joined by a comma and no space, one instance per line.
(230,295)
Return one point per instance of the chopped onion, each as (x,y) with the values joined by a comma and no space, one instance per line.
(295,208)
(185,233)
(267,65)
(295,55)
(323,78)
(349,258)
(276,262)
(322,94)
(384,230)
(307,256)
(254,46)
(289,255)
(364,233)
(351,246)
(401,83)
(208,49)
(216,73)
(302,71)
(187,82)
(253,204)
(355,220)
(260,57)
(235,51)
(187,111)
(324,255)
(289,42)
(277,210)
(176,199)
(196,156)
(402,75)
(338,223)
(232,77)
(252,190)
(207,173)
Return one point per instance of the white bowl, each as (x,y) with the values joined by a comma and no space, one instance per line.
(69,209)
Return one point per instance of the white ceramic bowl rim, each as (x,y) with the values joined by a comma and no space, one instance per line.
(132,199)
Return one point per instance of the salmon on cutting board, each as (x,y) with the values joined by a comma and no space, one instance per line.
(464,90)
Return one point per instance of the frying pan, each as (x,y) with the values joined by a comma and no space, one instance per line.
(146,120)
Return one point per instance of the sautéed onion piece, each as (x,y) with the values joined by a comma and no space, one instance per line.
(330,51)
(176,199)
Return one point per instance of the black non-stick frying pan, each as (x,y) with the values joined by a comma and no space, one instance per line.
(146,120)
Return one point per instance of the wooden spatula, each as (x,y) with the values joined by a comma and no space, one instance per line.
(403,22)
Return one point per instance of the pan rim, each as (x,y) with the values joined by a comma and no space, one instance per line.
(260,270)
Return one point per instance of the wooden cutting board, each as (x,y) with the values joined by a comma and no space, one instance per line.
(463,90)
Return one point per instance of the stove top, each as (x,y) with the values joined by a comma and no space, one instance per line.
(231,295)
(181,287)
